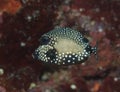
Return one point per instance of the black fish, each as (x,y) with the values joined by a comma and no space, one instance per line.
(63,46)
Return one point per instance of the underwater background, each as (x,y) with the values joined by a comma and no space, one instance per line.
(22,22)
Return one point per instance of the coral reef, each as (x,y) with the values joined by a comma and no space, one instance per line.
(22,22)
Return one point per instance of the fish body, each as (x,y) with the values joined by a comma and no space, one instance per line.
(63,46)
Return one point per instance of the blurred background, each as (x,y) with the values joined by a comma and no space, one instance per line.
(22,22)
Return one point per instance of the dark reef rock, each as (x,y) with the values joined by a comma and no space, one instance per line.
(22,22)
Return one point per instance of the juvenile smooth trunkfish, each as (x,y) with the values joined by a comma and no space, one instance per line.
(63,46)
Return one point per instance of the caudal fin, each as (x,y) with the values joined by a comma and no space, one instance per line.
(94,51)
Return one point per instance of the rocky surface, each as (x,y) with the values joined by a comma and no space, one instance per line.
(22,22)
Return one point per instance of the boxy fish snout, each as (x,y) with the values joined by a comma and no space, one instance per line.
(35,55)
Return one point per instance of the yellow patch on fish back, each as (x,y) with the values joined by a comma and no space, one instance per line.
(68,45)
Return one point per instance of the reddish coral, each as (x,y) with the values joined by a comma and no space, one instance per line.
(110,85)
(2,89)
(19,34)
(10,6)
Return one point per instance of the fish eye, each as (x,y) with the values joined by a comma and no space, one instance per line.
(44,40)
(85,40)
(51,54)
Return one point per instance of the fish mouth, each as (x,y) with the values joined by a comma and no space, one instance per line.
(35,55)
